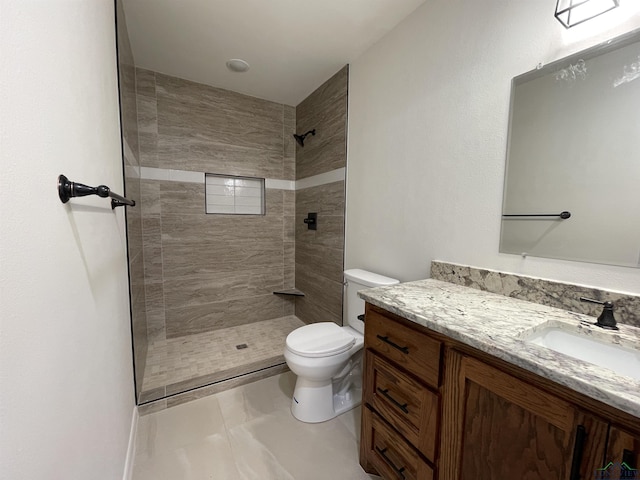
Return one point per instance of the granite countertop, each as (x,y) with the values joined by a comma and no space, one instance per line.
(498,325)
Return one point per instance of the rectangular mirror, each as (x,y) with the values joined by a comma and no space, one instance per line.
(574,146)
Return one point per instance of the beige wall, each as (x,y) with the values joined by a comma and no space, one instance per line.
(319,253)
(205,272)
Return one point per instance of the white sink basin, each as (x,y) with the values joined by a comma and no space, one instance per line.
(621,360)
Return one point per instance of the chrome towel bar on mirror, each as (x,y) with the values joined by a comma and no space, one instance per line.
(68,189)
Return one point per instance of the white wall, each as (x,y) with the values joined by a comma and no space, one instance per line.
(428,117)
(66,388)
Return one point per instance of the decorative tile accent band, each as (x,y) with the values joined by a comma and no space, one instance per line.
(337,175)
(546,292)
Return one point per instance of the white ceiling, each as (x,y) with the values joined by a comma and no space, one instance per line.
(293,46)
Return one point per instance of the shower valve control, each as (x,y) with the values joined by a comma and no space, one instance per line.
(312,221)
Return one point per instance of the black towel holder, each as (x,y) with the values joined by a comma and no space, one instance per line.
(68,189)
(563,215)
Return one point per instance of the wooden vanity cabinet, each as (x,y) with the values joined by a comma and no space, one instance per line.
(401,393)
(434,408)
(622,448)
(503,428)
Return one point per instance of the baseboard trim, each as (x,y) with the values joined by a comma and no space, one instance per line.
(131,449)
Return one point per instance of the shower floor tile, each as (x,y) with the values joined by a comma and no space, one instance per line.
(183,363)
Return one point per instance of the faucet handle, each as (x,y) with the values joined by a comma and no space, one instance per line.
(606,319)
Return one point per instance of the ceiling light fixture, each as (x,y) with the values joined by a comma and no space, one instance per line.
(237,65)
(573,12)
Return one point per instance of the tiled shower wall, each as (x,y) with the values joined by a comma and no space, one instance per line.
(132,190)
(319,253)
(205,272)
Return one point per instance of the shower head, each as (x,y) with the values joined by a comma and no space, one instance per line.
(300,138)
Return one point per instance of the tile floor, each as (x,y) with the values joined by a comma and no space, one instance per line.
(182,363)
(246,433)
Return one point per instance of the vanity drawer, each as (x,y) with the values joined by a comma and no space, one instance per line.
(410,407)
(412,350)
(389,453)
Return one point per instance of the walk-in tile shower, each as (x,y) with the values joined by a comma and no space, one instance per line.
(202,302)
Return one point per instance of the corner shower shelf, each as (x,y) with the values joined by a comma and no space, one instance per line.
(290,291)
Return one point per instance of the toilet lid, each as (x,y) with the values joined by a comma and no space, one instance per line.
(319,340)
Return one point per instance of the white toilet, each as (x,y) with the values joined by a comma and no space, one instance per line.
(327,358)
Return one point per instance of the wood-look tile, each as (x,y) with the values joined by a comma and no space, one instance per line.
(326,262)
(152,262)
(311,312)
(217,231)
(128,100)
(180,260)
(187,320)
(208,122)
(240,369)
(319,290)
(147,114)
(134,234)
(152,407)
(327,154)
(290,228)
(325,110)
(330,232)
(199,155)
(226,385)
(324,199)
(289,144)
(289,202)
(152,226)
(145,82)
(196,94)
(202,288)
(332,235)
(289,265)
(149,197)
(149,150)
(154,293)
(326,99)
(182,198)
(274,204)
(136,270)
(152,395)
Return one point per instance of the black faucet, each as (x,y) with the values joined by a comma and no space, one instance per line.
(606,319)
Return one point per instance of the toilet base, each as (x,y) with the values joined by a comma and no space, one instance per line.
(315,402)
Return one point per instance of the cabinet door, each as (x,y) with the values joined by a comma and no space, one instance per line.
(497,427)
(622,459)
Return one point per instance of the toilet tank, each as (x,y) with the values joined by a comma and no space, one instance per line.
(356,280)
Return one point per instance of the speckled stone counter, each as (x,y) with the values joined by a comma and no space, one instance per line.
(498,325)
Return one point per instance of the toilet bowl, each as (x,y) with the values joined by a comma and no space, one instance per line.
(327,358)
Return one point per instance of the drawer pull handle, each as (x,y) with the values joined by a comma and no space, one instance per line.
(402,407)
(399,471)
(394,345)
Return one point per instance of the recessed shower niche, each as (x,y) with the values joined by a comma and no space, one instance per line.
(202,284)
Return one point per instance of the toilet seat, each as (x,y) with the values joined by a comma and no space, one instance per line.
(319,340)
